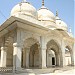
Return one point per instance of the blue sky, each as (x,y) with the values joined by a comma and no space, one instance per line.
(64,7)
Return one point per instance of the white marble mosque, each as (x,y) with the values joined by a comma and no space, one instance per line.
(35,39)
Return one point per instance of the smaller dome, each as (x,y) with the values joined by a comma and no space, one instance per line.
(24,8)
(45,15)
(61,24)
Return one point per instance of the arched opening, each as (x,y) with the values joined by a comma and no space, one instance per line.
(53,54)
(51,58)
(9,56)
(30,53)
(68,55)
(33,56)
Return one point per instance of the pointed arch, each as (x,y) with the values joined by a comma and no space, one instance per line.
(33,54)
(53,45)
(30,41)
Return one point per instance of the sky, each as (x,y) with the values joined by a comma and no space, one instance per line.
(65,9)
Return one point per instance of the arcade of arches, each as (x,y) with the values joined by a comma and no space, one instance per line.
(30,53)
(31,56)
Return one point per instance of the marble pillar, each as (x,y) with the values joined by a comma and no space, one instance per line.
(57,59)
(42,53)
(24,58)
(3,56)
(73,55)
(27,57)
(44,58)
(17,56)
(62,54)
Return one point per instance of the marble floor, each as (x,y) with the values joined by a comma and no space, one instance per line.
(55,71)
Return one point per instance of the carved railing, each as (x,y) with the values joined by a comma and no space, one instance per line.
(6,69)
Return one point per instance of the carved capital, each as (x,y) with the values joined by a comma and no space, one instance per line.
(16,45)
(4,48)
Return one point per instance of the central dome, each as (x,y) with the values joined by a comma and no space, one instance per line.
(24,8)
(45,15)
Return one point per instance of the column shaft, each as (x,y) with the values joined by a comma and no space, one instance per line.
(27,57)
(62,55)
(57,60)
(17,57)
(42,52)
(73,55)
(44,58)
(3,56)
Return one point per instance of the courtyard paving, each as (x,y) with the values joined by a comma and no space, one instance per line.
(49,71)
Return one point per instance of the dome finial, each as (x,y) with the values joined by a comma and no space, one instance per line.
(56,13)
(24,0)
(42,2)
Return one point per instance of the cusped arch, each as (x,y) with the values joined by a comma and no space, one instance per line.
(30,41)
(53,44)
(30,47)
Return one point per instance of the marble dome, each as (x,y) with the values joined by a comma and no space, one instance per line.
(45,15)
(61,24)
(24,8)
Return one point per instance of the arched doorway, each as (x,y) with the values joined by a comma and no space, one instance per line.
(53,54)
(33,56)
(68,55)
(30,53)
(51,58)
